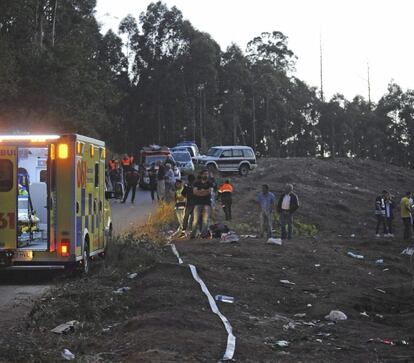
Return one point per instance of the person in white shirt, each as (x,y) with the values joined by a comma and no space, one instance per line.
(287,205)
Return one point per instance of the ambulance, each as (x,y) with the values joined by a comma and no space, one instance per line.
(54,207)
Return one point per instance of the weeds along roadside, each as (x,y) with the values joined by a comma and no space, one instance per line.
(157,226)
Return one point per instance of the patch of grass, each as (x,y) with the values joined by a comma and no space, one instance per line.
(299,228)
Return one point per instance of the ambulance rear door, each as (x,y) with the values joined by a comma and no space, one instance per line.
(8,196)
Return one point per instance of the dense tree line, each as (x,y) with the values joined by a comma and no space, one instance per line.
(160,80)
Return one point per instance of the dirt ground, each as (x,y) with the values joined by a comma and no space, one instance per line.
(164,317)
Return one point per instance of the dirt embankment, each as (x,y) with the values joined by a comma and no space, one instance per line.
(164,317)
(337,196)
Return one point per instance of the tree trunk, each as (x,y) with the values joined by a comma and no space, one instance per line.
(54,23)
(333,151)
(159,117)
(234,127)
(41,30)
(254,123)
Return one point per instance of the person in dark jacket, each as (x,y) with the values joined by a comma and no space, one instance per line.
(161,181)
(380,213)
(131,179)
(287,204)
(189,207)
(389,214)
(153,174)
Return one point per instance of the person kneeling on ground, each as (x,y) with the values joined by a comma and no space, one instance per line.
(225,194)
(180,202)
(202,205)
(405,207)
(266,201)
(380,213)
(287,205)
(132,179)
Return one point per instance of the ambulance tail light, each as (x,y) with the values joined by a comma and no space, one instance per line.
(63,151)
(64,247)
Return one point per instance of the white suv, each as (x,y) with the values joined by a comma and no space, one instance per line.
(229,158)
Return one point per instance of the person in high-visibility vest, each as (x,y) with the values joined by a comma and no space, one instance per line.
(225,195)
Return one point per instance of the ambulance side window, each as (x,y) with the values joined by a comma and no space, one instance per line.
(43,176)
(6,175)
(96,175)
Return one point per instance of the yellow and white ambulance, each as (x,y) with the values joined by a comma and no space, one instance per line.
(54,208)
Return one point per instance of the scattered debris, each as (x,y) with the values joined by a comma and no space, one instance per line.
(364,313)
(324,334)
(381,291)
(379,316)
(224,298)
(353,236)
(229,237)
(67,355)
(353,255)
(409,251)
(121,290)
(336,315)
(379,262)
(66,328)
(132,276)
(282,343)
(300,315)
(287,282)
(248,236)
(385,270)
(383,341)
(319,340)
(290,325)
(309,305)
(317,265)
(274,241)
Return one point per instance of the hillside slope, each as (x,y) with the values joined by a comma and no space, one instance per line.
(336,195)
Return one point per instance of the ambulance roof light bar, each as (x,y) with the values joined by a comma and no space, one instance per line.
(32,138)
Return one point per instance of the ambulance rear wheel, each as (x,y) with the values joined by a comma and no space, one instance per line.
(86,259)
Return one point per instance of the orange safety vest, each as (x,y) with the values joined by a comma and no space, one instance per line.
(128,161)
(226,188)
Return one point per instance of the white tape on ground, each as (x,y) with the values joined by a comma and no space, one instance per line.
(231,339)
(174,249)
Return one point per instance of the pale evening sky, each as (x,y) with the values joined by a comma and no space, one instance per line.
(353,32)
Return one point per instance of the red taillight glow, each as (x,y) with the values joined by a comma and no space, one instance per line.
(64,247)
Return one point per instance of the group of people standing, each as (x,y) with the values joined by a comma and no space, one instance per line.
(286,206)
(162,180)
(384,212)
(194,201)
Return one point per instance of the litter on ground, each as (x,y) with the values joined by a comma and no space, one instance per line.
(224,298)
(121,290)
(409,251)
(353,255)
(287,282)
(229,237)
(66,328)
(67,355)
(336,315)
(274,241)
